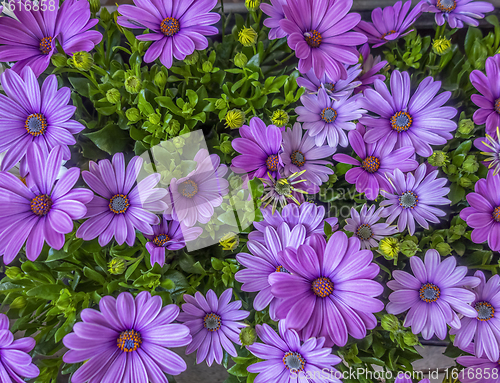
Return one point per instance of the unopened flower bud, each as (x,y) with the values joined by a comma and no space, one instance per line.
(59,60)
(441,46)
(390,322)
(113,96)
(408,248)
(438,158)
(192,58)
(82,61)
(252,5)
(117,266)
(18,303)
(240,60)
(133,84)
(248,336)
(443,249)
(247,37)
(133,114)
(465,126)
(235,118)
(160,80)
(226,147)
(207,67)
(280,118)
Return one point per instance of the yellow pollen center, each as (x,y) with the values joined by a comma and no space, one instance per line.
(446,6)
(170,26)
(161,240)
(401,122)
(322,287)
(41,205)
(46,45)
(129,341)
(429,293)
(313,38)
(36,124)
(212,322)
(371,164)
(272,162)
(119,204)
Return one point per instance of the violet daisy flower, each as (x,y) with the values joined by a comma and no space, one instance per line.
(43,212)
(318,32)
(364,226)
(483,215)
(263,262)
(490,147)
(118,208)
(214,325)
(260,146)
(177,27)
(457,12)
(434,295)
(29,115)
(330,292)
(127,341)
(369,69)
(419,120)
(335,88)
(171,235)
(326,118)
(301,153)
(413,197)
(286,359)
(376,160)
(276,14)
(484,327)
(476,369)
(195,196)
(31,40)
(309,215)
(390,23)
(15,362)
(489,99)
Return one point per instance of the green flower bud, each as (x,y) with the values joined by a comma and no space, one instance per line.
(235,118)
(82,61)
(18,303)
(443,249)
(441,46)
(332,178)
(390,322)
(410,339)
(173,128)
(458,229)
(95,6)
(220,104)
(117,266)
(226,147)
(389,247)
(240,60)
(113,96)
(451,169)
(133,114)
(465,182)
(252,5)
(133,84)
(235,181)
(280,118)
(192,58)
(14,273)
(438,158)
(207,67)
(59,60)
(105,16)
(470,164)
(154,118)
(466,126)
(408,248)
(64,300)
(248,336)
(247,37)
(178,142)
(229,241)
(160,80)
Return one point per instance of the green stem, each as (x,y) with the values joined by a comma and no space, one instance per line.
(440,31)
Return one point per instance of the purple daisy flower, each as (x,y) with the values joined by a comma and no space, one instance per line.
(490,146)
(318,32)
(276,14)
(369,69)
(15,362)
(434,295)
(263,262)
(420,120)
(301,153)
(364,226)
(177,27)
(489,99)
(483,215)
(413,197)
(330,291)
(309,215)
(29,115)
(127,341)
(326,118)
(31,40)
(118,208)
(45,211)
(195,196)
(390,23)
(478,368)
(376,160)
(484,327)
(214,325)
(457,12)
(335,88)
(260,147)
(171,235)
(287,360)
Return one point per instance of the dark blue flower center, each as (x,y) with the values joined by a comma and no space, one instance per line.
(322,287)
(212,322)
(161,240)
(36,124)
(446,5)
(329,115)
(485,311)
(496,214)
(293,361)
(281,269)
(408,200)
(129,341)
(272,162)
(429,293)
(119,204)
(188,188)
(298,158)
(371,164)
(330,86)
(313,38)
(170,26)
(401,122)
(41,205)
(364,232)
(46,45)
(497,106)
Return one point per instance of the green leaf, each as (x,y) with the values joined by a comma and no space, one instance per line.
(132,268)
(457,193)
(110,139)
(49,291)
(187,263)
